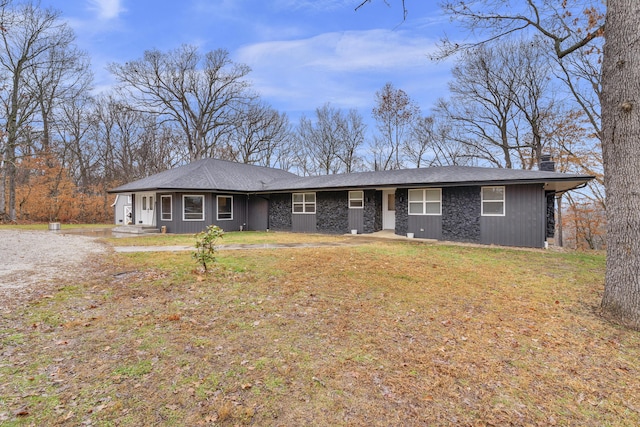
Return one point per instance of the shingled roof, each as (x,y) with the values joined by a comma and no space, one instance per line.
(442,176)
(208,174)
(219,175)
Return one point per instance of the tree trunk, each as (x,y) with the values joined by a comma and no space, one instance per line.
(621,133)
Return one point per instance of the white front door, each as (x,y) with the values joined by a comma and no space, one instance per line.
(389,209)
(145,209)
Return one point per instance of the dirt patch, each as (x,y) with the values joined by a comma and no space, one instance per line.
(37,258)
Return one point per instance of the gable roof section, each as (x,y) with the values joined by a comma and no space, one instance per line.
(208,174)
(220,175)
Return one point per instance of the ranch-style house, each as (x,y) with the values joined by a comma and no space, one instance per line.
(454,203)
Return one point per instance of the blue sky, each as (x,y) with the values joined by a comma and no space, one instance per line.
(303,53)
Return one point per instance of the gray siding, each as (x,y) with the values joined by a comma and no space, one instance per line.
(303,223)
(178,226)
(258,215)
(524,223)
(190,227)
(356,220)
(426,226)
(239,213)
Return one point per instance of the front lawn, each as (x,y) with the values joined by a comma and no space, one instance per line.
(387,333)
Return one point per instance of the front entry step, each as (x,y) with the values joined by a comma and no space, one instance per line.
(136,229)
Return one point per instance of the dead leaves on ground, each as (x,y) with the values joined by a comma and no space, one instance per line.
(377,336)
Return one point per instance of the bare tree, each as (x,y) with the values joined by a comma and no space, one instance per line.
(74,129)
(259,135)
(132,144)
(420,142)
(329,144)
(199,93)
(568,25)
(482,107)
(319,141)
(351,130)
(394,113)
(30,38)
(63,76)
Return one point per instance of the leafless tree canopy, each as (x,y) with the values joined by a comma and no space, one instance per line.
(200,93)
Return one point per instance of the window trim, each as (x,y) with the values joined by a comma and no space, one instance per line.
(162,212)
(359,199)
(218,197)
(304,203)
(184,196)
(424,202)
(503,201)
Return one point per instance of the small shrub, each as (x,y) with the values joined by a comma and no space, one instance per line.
(205,252)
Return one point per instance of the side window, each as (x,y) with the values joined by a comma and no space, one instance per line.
(356,199)
(166,208)
(493,201)
(304,203)
(425,201)
(193,208)
(225,207)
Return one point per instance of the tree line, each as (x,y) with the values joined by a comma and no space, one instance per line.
(63,146)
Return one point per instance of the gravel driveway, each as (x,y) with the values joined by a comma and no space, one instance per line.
(29,258)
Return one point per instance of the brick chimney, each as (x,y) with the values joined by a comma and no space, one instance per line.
(546,164)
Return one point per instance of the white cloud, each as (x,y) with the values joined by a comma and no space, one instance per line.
(107,9)
(351,51)
(344,68)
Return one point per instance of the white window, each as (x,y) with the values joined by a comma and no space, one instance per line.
(427,201)
(356,199)
(304,203)
(493,201)
(225,207)
(166,208)
(193,208)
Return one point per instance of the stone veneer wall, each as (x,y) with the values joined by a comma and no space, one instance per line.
(551,214)
(461,212)
(280,212)
(402,211)
(372,219)
(332,212)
